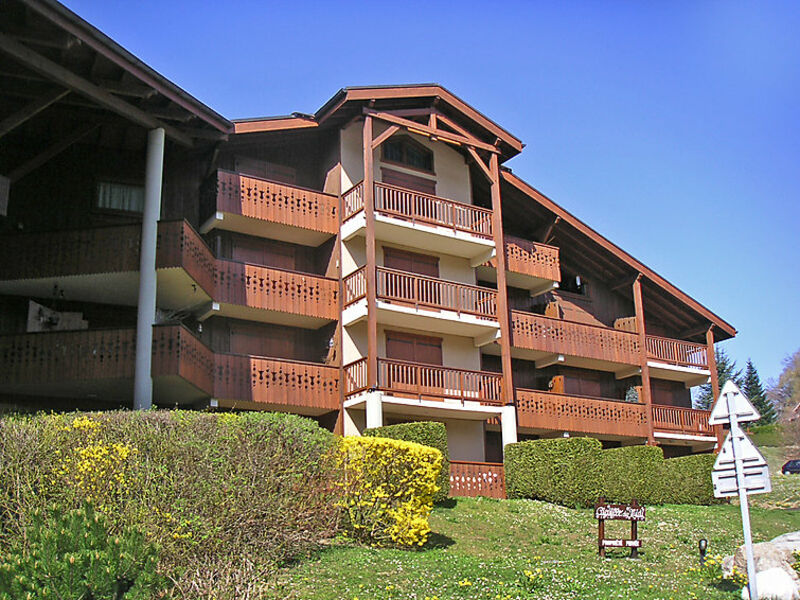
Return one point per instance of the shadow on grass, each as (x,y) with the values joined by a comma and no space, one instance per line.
(449,503)
(438,541)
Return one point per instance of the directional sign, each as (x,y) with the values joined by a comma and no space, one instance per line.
(739,469)
(720,415)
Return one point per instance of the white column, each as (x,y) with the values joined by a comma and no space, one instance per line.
(143,381)
(508,424)
(350,426)
(374,409)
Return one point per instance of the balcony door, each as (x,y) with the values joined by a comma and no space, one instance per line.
(410,290)
(417,373)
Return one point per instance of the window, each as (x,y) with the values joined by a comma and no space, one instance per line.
(572,283)
(405,151)
(121,197)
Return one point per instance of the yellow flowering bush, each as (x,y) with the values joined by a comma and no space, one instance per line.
(95,467)
(711,572)
(387,488)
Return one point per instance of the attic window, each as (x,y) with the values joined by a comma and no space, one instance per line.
(404,151)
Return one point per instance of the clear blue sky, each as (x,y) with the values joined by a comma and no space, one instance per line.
(672,128)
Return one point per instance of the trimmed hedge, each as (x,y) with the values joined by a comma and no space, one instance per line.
(633,472)
(427,433)
(560,470)
(688,479)
(577,471)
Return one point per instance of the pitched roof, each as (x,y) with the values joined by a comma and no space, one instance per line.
(724,330)
(348,102)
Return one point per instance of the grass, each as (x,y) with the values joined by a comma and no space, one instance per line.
(481,547)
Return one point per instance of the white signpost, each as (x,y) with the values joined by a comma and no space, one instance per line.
(740,468)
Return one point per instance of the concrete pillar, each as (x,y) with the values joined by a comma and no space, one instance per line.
(508,424)
(374,410)
(349,424)
(143,381)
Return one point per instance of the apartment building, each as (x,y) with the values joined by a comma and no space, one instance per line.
(372,263)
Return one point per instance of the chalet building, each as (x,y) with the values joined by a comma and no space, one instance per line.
(372,263)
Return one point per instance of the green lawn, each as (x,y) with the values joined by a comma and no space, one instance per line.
(481,548)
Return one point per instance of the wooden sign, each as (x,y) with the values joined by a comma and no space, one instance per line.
(618,512)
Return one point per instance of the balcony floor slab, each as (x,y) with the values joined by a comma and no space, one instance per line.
(441,321)
(440,240)
(688,375)
(400,406)
(264,229)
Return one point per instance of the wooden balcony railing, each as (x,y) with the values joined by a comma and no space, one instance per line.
(677,352)
(531,258)
(547,334)
(561,412)
(275,289)
(477,479)
(421,208)
(91,355)
(270,201)
(278,382)
(426,381)
(675,419)
(419,291)
(112,249)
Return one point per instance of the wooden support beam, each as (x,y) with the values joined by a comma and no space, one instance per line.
(385,136)
(30,110)
(50,152)
(424,129)
(712,367)
(452,125)
(625,282)
(67,78)
(549,231)
(369,215)
(125,88)
(503,316)
(694,331)
(479,161)
(647,391)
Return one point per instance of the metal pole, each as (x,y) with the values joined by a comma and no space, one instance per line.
(736,433)
(143,381)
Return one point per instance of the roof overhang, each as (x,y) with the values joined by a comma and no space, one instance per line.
(45,46)
(349,103)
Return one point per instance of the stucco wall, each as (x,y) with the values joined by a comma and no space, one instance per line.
(465,440)
(452,172)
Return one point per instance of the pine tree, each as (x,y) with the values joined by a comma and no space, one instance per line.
(726,369)
(752,388)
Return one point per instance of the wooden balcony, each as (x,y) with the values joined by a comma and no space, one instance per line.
(677,352)
(423,303)
(529,265)
(268,294)
(682,421)
(264,208)
(99,364)
(538,337)
(102,264)
(275,384)
(426,382)
(473,479)
(546,412)
(420,220)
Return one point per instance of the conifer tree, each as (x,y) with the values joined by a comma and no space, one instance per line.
(726,369)
(752,388)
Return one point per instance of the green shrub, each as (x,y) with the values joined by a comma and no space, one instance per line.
(577,471)
(632,472)
(72,555)
(687,479)
(767,435)
(210,489)
(560,470)
(427,433)
(388,488)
